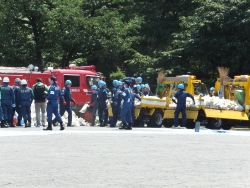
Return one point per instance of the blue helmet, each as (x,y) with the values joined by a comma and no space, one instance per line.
(138,86)
(94,87)
(139,79)
(146,86)
(212,89)
(102,83)
(99,82)
(68,82)
(142,86)
(115,82)
(119,83)
(180,86)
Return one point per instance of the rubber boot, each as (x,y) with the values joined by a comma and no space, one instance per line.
(62,127)
(49,128)
(104,124)
(124,125)
(26,124)
(6,123)
(101,123)
(29,123)
(129,127)
(3,124)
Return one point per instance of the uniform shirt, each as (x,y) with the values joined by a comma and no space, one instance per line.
(114,90)
(25,94)
(38,90)
(118,97)
(126,95)
(16,92)
(181,96)
(7,93)
(54,92)
(66,95)
(102,95)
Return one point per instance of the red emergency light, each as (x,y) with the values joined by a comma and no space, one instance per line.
(74,67)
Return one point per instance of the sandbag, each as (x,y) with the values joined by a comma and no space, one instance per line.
(84,108)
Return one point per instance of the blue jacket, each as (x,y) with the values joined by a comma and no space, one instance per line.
(16,92)
(7,94)
(66,95)
(25,94)
(102,95)
(53,93)
(118,97)
(113,92)
(133,96)
(126,95)
(181,96)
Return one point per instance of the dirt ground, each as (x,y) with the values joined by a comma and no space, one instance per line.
(107,157)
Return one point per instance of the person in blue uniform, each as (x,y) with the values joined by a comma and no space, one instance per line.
(52,106)
(25,99)
(181,97)
(102,96)
(1,112)
(147,91)
(16,109)
(133,97)
(65,102)
(138,90)
(211,92)
(131,81)
(95,107)
(7,101)
(113,92)
(126,108)
(116,108)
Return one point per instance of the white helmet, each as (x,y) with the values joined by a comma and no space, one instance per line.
(6,80)
(23,82)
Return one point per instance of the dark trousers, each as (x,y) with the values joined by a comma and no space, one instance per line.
(180,108)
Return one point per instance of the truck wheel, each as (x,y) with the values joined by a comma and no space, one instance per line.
(157,119)
(226,126)
(167,123)
(215,123)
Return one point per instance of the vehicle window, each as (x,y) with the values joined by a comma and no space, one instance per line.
(92,80)
(200,88)
(75,79)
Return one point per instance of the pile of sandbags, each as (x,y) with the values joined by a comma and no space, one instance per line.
(213,103)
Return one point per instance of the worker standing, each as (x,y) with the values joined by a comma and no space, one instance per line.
(65,102)
(52,106)
(181,97)
(25,98)
(40,101)
(102,96)
(147,91)
(95,107)
(126,108)
(117,98)
(7,101)
(113,92)
(16,88)
(133,97)
(1,112)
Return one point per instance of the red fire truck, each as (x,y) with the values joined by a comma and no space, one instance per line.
(82,78)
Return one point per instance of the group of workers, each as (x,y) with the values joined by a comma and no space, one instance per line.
(18,99)
(122,98)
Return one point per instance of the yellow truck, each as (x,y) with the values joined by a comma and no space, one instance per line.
(158,110)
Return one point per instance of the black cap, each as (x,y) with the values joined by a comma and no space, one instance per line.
(39,80)
(53,78)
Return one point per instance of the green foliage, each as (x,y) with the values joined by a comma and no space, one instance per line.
(119,74)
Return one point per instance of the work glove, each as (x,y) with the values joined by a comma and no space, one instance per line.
(13,105)
(174,101)
(64,103)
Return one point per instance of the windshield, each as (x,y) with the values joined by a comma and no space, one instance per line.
(200,88)
(92,80)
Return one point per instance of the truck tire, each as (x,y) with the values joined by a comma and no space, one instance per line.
(167,123)
(157,119)
(190,125)
(215,123)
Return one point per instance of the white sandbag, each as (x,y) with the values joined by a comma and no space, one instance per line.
(84,108)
